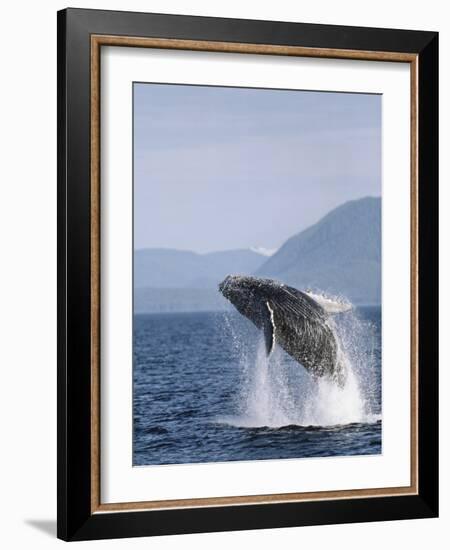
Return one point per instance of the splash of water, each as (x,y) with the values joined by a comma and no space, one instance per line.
(275,391)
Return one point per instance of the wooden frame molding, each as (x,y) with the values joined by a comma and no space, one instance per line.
(96,42)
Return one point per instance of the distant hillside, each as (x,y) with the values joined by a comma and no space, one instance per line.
(169,300)
(340,254)
(168,268)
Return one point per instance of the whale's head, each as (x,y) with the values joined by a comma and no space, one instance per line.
(248,295)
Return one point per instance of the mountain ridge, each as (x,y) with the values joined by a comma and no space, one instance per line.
(339,255)
(172,268)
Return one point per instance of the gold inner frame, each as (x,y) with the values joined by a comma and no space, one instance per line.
(106,40)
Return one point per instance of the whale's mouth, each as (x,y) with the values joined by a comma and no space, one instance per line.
(239,291)
(232,285)
(225,287)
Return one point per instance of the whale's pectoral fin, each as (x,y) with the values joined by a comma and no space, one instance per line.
(268,337)
(269,330)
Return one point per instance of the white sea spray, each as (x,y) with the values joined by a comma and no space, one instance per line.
(276,391)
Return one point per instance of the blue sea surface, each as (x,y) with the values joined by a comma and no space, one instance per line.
(204,391)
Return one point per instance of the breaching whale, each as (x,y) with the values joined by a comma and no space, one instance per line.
(297,321)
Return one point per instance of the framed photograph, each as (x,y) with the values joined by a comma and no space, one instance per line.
(247,255)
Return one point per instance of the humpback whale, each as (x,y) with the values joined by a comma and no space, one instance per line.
(297,321)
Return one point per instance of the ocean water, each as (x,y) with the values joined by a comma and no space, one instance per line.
(204,391)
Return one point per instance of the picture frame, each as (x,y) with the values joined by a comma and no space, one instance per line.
(81,36)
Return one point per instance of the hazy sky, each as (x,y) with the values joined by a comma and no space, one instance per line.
(221,168)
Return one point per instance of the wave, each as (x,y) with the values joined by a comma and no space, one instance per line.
(276,392)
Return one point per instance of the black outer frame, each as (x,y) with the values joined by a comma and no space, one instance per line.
(75,521)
